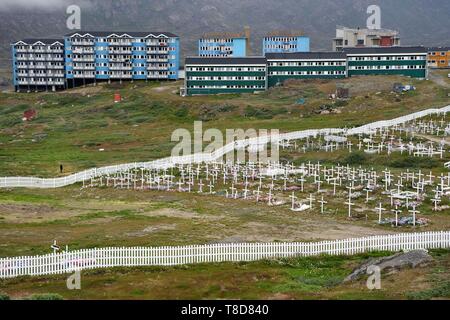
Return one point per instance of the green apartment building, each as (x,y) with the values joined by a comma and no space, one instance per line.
(305,65)
(406,61)
(214,75)
(218,75)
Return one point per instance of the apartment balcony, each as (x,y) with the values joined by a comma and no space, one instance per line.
(84,59)
(120,76)
(84,75)
(55,67)
(120,60)
(158,76)
(127,68)
(83,68)
(82,43)
(157,68)
(23,67)
(61,59)
(112,51)
(157,51)
(23,82)
(22,58)
(153,43)
(157,60)
(83,51)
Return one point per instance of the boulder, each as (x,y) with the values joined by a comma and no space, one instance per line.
(394,263)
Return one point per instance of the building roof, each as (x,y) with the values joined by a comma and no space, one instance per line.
(223,35)
(438,49)
(225,60)
(138,34)
(306,55)
(41,40)
(285,33)
(367,30)
(375,50)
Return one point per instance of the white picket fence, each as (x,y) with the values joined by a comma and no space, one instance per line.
(66,262)
(217,155)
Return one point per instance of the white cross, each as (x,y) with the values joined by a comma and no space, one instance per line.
(257,194)
(311,199)
(211,186)
(414,211)
(200,186)
(380,209)
(302,181)
(349,203)
(322,202)
(293,197)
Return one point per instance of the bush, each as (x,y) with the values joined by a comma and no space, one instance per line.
(46,296)
(415,162)
(4,297)
(341,103)
(263,113)
(355,158)
(182,112)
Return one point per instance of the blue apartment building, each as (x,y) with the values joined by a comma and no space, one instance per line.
(92,56)
(285,42)
(88,57)
(223,45)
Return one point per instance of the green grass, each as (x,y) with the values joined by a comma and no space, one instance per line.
(295,278)
(71,126)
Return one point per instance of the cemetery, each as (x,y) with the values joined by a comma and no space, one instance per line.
(349,190)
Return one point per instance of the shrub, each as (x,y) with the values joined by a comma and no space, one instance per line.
(355,158)
(415,162)
(4,297)
(263,113)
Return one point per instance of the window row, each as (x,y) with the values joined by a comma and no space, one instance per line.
(306,64)
(386,58)
(225,69)
(305,73)
(226,78)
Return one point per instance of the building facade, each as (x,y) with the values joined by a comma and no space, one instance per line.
(305,65)
(38,65)
(223,45)
(360,37)
(215,75)
(406,61)
(95,56)
(285,42)
(439,57)
(208,75)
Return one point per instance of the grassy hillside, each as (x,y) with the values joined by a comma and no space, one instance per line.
(73,125)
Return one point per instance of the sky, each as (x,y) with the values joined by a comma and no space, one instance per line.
(35,4)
